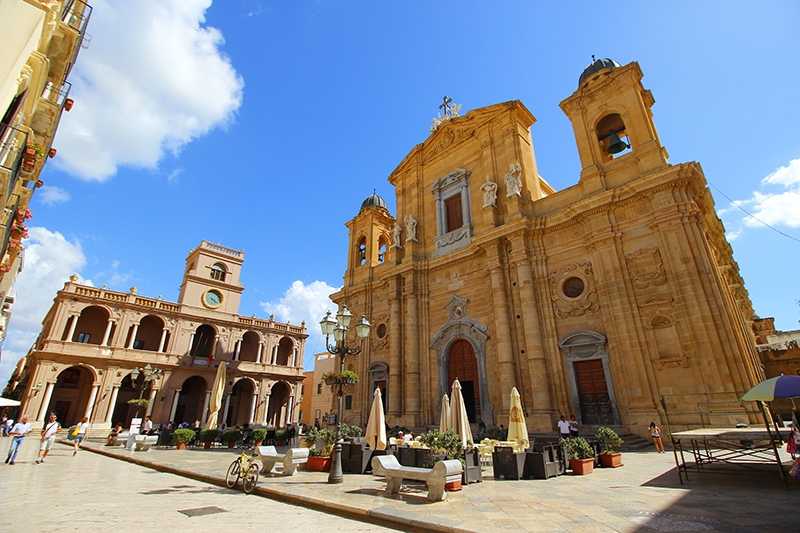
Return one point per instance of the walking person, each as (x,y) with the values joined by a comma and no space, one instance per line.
(563,427)
(574,427)
(82,428)
(18,432)
(656,434)
(48,437)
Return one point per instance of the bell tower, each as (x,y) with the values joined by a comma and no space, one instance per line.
(371,237)
(613,123)
(211,279)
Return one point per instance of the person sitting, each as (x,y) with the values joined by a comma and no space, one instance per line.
(408,437)
(114,433)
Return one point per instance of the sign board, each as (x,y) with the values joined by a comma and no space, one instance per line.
(136,423)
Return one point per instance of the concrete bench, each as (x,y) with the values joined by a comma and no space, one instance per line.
(436,477)
(119,440)
(293,458)
(143,443)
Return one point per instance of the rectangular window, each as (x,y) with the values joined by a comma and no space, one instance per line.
(319,388)
(138,345)
(348,401)
(453,218)
(84,338)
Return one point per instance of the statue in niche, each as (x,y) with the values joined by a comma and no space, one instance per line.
(489,192)
(411,228)
(514,180)
(396,231)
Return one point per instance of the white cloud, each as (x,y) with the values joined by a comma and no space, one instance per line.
(49,195)
(50,259)
(153,80)
(304,303)
(786,176)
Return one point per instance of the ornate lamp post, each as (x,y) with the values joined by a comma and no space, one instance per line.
(338,328)
(150,374)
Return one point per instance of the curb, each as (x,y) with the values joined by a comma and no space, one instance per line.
(371,516)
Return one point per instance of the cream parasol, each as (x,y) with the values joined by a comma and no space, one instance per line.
(459,422)
(217,392)
(376,425)
(444,421)
(517,428)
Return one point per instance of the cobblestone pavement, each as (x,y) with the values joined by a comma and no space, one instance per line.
(643,496)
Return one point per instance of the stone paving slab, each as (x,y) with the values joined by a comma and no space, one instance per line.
(644,495)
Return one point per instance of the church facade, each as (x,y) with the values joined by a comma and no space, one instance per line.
(596,300)
(93,339)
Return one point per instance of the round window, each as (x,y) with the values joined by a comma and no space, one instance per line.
(573,287)
(381,331)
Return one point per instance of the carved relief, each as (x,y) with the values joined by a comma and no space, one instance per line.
(646,267)
(665,338)
(448,138)
(573,290)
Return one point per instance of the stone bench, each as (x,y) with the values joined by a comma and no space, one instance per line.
(143,443)
(293,458)
(119,440)
(436,477)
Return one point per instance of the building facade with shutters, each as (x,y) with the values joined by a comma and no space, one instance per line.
(596,300)
(93,338)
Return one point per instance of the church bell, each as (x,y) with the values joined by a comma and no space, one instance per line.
(615,144)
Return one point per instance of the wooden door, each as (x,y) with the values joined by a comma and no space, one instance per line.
(595,403)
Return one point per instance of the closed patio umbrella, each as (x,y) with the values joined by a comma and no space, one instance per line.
(517,427)
(459,421)
(444,421)
(376,425)
(217,391)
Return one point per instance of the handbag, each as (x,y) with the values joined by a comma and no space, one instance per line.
(76,431)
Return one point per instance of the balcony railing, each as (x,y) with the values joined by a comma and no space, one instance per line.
(55,94)
(76,14)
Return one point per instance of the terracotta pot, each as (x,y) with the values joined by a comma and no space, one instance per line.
(318,464)
(280,443)
(207,445)
(52,153)
(231,443)
(181,445)
(582,466)
(257,443)
(611,460)
(68,104)
(453,486)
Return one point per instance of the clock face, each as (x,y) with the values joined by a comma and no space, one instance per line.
(212,298)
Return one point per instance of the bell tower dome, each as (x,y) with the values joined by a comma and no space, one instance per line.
(613,124)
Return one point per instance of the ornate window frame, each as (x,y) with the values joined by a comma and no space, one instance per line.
(452,184)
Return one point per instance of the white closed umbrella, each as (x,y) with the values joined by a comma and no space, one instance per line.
(376,425)
(517,427)
(217,391)
(8,402)
(459,421)
(444,421)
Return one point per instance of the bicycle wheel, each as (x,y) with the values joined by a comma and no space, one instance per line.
(234,471)
(250,479)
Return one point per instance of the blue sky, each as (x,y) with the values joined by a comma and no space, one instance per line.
(263,125)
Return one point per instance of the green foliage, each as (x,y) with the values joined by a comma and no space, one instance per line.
(348,377)
(350,431)
(258,434)
(577,448)
(494,433)
(232,435)
(326,436)
(608,439)
(282,434)
(447,443)
(184,436)
(138,401)
(209,435)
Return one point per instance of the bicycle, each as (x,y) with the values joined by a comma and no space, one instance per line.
(247,464)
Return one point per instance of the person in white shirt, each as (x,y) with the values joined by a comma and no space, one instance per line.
(563,427)
(82,428)
(48,437)
(148,426)
(18,432)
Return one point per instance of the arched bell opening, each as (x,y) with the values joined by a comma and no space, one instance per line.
(612,137)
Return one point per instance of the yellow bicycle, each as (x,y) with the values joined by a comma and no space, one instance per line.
(244,467)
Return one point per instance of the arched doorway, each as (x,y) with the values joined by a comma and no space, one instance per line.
(91,326)
(148,334)
(463,365)
(203,342)
(379,378)
(285,348)
(278,404)
(241,400)
(123,412)
(191,401)
(71,393)
(248,351)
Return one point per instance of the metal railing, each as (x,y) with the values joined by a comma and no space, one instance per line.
(55,94)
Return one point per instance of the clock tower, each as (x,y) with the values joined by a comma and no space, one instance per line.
(211,279)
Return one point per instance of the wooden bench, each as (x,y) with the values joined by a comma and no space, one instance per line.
(292,459)
(436,477)
(143,443)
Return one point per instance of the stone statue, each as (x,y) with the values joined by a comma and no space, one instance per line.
(489,192)
(514,180)
(411,228)
(396,231)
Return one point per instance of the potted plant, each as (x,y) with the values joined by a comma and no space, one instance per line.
(319,457)
(347,377)
(608,440)
(281,436)
(232,436)
(139,403)
(32,157)
(258,436)
(580,454)
(208,436)
(445,445)
(182,437)
(350,432)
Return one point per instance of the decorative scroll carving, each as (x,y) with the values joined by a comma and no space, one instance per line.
(448,139)
(645,267)
(573,290)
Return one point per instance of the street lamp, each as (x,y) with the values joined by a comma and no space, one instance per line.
(150,374)
(338,328)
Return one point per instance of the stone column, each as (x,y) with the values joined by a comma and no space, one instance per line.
(174,406)
(112,403)
(72,328)
(252,418)
(294,356)
(191,343)
(205,408)
(92,398)
(275,355)
(133,336)
(258,356)
(237,350)
(505,358)
(412,370)
(225,407)
(48,393)
(394,387)
(153,393)
(162,341)
(289,404)
(107,333)
(266,408)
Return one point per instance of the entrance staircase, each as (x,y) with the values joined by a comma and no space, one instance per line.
(631,443)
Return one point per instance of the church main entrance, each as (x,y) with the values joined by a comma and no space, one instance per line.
(595,403)
(463,365)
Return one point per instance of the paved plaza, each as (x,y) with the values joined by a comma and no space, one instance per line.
(173,490)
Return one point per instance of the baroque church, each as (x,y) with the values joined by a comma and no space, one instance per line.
(599,300)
